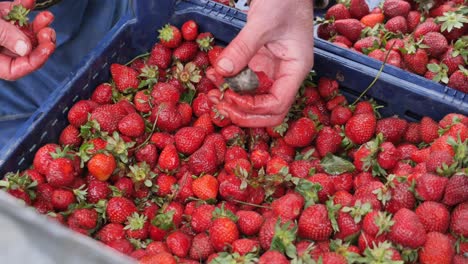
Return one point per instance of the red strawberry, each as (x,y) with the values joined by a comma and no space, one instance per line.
(189,30)
(62,199)
(337,12)
(437,44)
(413,19)
(367,44)
(430,187)
(392,128)
(244,246)
(273,257)
(201,247)
(288,207)
(70,136)
(459,80)
(186,51)
(407,230)
(413,133)
(111,232)
(102,166)
(342,41)
(328,141)
(314,223)
(204,160)
(202,218)
(456,190)
(372,19)
(397,24)
(394,8)
(214,53)
(165,92)
(401,197)
(185,111)
(179,243)
(452,62)
(223,232)
(458,224)
(102,94)
(60,172)
(340,115)
(108,117)
(119,209)
(437,249)
(436,159)
(300,133)
(167,117)
(434,216)
(416,62)
(169,158)
(83,218)
(358,8)
(160,258)
(350,28)
(78,114)
(189,139)
(205,41)
(429,129)
(170,36)
(425,27)
(360,128)
(205,187)
(205,85)
(249,222)
(160,56)
(125,78)
(132,125)
(327,88)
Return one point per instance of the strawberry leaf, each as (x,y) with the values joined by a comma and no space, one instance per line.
(335,165)
(284,238)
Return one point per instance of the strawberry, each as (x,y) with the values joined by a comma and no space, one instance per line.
(397,24)
(185,111)
(249,222)
(62,199)
(340,115)
(425,27)
(452,59)
(102,94)
(394,8)
(367,44)
(205,187)
(165,92)
(413,19)
(160,56)
(459,80)
(272,257)
(119,209)
(220,146)
(389,156)
(189,139)
(456,190)
(392,128)
(179,243)
(327,88)
(407,230)
(108,117)
(437,249)
(186,51)
(358,8)
(18,16)
(223,232)
(204,160)
(167,117)
(395,44)
(122,245)
(416,62)
(102,166)
(169,158)
(70,136)
(314,223)
(401,197)
(189,30)
(458,224)
(111,232)
(205,85)
(413,133)
(433,216)
(201,105)
(83,218)
(78,114)
(60,172)
(230,189)
(437,44)
(360,128)
(436,160)
(300,133)
(288,207)
(214,53)
(160,258)
(170,36)
(328,141)
(125,186)
(429,129)
(201,247)
(337,12)
(132,125)
(205,41)
(430,187)
(370,20)
(326,183)
(326,30)
(97,190)
(342,41)
(201,219)
(244,246)
(350,28)
(148,154)
(125,78)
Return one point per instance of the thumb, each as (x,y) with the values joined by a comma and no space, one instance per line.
(13,39)
(237,55)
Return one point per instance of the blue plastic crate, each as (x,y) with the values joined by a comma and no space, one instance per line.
(136,35)
(439,90)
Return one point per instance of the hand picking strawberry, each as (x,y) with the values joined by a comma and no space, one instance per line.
(26,46)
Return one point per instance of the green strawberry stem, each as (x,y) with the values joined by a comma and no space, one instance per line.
(251,204)
(138,57)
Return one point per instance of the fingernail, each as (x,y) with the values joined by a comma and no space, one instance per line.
(21,47)
(53,36)
(226,65)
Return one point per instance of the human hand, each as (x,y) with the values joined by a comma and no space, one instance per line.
(18,57)
(278,40)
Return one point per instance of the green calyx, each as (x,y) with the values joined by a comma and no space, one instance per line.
(18,14)
(135,222)
(166,33)
(284,238)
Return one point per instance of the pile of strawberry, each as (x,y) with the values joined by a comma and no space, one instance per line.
(424,37)
(148,167)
